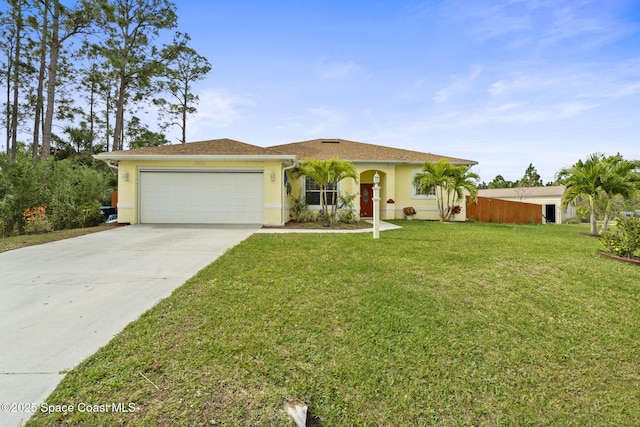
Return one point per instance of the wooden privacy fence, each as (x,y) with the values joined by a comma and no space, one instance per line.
(485,209)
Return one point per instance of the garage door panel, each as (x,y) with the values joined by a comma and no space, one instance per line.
(201,197)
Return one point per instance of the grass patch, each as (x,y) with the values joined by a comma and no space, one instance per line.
(16,242)
(432,324)
(320,225)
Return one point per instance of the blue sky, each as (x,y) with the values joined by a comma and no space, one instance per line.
(504,83)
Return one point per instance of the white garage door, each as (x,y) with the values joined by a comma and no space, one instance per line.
(201,197)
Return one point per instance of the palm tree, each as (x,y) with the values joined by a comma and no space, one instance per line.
(327,174)
(622,179)
(450,181)
(599,178)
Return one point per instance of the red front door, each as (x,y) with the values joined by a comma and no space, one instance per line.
(366,200)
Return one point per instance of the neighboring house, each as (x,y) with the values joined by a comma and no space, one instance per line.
(550,198)
(227,181)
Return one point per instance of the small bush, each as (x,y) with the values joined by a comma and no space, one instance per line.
(409,210)
(347,213)
(299,205)
(625,241)
(301,213)
(307,216)
(36,220)
(574,220)
(348,216)
(22,186)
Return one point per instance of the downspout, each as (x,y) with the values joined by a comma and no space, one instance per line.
(284,173)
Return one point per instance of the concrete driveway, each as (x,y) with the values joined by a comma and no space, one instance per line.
(61,301)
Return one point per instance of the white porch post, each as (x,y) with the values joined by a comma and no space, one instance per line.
(376,206)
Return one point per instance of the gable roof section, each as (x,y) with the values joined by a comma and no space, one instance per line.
(215,149)
(320,149)
(324,149)
(523,192)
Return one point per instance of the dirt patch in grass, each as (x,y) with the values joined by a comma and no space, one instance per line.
(634,260)
(320,225)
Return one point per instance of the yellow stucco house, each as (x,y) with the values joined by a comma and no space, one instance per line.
(231,182)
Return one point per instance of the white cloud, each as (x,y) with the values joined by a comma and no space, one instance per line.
(541,25)
(317,121)
(578,82)
(512,113)
(334,71)
(460,84)
(323,120)
(219,108)
(589,24)
(496,21)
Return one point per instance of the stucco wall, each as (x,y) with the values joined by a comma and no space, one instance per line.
(426,206)
(396,182)
(128,188)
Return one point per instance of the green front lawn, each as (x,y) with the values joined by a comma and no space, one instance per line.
(433,324)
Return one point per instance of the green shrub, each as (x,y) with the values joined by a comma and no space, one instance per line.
(574,220)
(77,197)
(301,213)
(36,220)
(347,213)
(22,187)
(348,216)
(307,216)
(72,193)
(299,205)
(625,241)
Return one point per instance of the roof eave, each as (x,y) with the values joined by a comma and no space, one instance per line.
(211,157)
(411,162)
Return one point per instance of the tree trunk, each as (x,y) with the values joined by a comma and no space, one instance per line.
(40,89)
(107,122)
(607,214)
(323,202)
(118,131)
(592,216)
(605,222)
(7,118)
(51,85)
(441,205)
(92,97)
(184,123)
(15,80)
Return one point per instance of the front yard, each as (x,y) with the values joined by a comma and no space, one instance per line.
(433,324)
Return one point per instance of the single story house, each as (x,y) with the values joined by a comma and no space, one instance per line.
(550,198)
(227,181)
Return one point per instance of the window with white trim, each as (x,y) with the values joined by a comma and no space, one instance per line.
(312,192)
(417,190)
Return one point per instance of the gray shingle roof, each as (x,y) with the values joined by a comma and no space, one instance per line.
(320,149)
(323,149)
(223,147)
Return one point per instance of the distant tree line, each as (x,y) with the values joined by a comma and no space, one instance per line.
(74,77)
(598,187)
(531,178)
